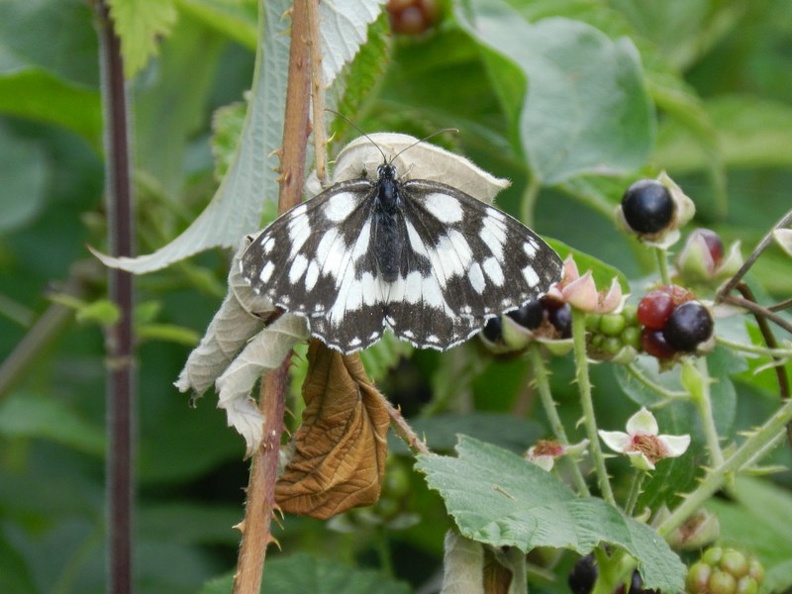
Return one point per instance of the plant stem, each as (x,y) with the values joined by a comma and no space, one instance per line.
(587,403)
(529,200)
(256,534)
(665,393)
(635,491)
(121,380)
(716,477)
(661,256)
(753,348)
(541,380)
(702,397)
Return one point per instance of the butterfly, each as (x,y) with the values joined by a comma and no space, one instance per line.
(421,258)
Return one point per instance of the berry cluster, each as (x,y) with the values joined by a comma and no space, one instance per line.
(674,322)
(610,333)
(546,316)
(724,571)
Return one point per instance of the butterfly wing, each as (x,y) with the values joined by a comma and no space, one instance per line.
(315,261)
(469,262)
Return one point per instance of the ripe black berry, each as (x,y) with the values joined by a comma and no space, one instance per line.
(647,206)
(583,575)
(529,315)
(689,325)
(560,317)
(493,330)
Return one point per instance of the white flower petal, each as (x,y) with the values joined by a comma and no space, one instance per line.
(642,423)
(615,440)
(543,461)
(674,445)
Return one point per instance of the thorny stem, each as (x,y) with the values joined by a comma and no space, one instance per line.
(587,404)
(404,430)
(119,338)
(541,380)
(716,477)
(702,398)
(761,247)
(662,391)
(753,348)
(260,506)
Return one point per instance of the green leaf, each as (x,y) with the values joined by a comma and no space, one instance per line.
(39,95)
(251,180)
(507,431)
(236,19)
(227,126)
(15,576)
(33,416)
(586,108)
(751,132)
(24,173)
(498,498)
(140,24)
(306,573)
(603,273)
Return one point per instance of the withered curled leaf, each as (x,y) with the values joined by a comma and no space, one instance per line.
(340,448)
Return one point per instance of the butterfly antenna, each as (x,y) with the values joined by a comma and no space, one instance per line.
(355,126)
(424,139)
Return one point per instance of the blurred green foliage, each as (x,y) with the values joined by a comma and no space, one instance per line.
(709,99)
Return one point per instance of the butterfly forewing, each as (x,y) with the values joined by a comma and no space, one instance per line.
(452,263)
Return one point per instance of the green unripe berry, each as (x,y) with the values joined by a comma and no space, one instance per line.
(747,585)
(611,345)
(734,562)
(593,322)
(712,556)
(756,570)
(631,337)
(612,324)
(698,576)
(722,583)
(630,315)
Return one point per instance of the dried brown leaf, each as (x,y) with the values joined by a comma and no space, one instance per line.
(340,448)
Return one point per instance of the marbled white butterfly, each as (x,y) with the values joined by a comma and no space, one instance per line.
(419,257)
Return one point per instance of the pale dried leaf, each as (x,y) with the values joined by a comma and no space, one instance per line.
(463,565)
(237,320)
(341,446)
(265,352)
(422,160)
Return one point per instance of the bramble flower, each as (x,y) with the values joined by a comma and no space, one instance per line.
(642,444)
(581,292)
(703,259)
(545,452)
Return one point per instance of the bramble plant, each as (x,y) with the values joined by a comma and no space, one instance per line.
(627,431)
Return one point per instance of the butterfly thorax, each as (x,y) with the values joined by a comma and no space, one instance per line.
(388,232)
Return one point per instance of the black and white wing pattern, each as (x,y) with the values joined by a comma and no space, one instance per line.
(421,258)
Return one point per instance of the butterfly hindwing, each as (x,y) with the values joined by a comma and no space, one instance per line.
(482,262)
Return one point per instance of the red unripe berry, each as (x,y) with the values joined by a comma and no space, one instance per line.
(714,244)
(654,343)
(654,309)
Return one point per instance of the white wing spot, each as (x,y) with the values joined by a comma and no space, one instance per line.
(444,208)
(340,206)
(362,243)
(476,278)
(493,234)
(267,246)
(297,269)
(299,231)
(493,270)
(433,339)
(312,275)
(355,342)
(529,272)
(415,240)
(530,247)
(266,272)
